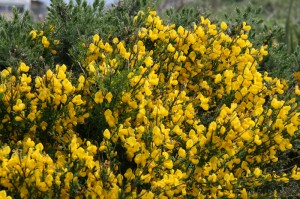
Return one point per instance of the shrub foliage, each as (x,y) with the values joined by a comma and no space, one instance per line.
(168,112)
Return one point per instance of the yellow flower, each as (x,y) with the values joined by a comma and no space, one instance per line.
(284,179)
(49,74)
(39,147)
(191,39)
(141,129)
(33,34)
(247,136)
(169,146)
(189,144)
(49,180)
(223,25)
(92,48)
(5,73)
(102,148)
(106,134)
(157,140)
(5,151)
(29,143)
(212,178)
(61,74)
(56,42)
(44,125)
(295,173)
(26,79)
(278,139)
(108,97)
(258,111)
(77,100)
(180,30)
(45,42)
(98,97)
(3,195)
(23,67)
(157,136)
(41,33)
(153,78)
(138,158)
(125,97)
(92,67)
(146,178)
(115,40)
(192,55)
(297,91)
(131,141)
(148,61)
(18,118)
(212,29)
(81,79)
(67,86)
(291,129)
(108,48)
(218,78)
(110,118)
(263,51)
(257,140)
(64,98)
(96,38)
(38,82)
(153,13)
(244,194)
(19,105)
(276,104)
(246,27)
(170,48)
(149,19)
(168,164)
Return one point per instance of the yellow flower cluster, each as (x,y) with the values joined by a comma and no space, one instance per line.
(176,113)
(71,174)
(48,104)
(38,37)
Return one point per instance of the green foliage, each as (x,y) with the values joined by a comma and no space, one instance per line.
(77,21)
(14,39)
(72,24)
(185,16)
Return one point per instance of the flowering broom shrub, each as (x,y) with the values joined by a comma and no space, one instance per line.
(174,113)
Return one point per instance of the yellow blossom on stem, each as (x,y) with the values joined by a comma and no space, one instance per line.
(45,42)
(106,134)
(108,97)
(23,67)
(276,104)
(223,25)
